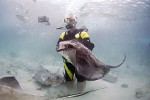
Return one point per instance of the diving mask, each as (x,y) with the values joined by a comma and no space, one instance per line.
(70,20)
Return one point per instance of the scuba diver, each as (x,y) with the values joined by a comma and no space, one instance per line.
(74,33)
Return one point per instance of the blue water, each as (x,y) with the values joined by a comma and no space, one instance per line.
(116,28)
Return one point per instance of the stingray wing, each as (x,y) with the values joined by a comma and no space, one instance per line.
(90,69)
(10,82)
(70,55)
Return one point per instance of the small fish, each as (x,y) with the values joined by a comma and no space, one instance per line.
(34,1)
(22,18)
(43,19)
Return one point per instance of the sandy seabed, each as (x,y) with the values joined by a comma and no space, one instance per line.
(124,87)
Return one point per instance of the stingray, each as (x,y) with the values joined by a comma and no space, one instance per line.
(10,89)
(10,82)
(85,62)
(43,19)
(47,78)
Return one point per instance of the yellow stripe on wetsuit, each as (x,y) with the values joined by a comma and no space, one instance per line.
(82,34)
(62,35)
(68,72)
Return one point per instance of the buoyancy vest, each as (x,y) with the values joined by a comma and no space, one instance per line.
(78,34)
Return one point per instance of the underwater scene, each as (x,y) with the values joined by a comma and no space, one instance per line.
(32,69)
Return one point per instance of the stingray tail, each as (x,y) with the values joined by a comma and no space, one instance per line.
(79,94)
(110,66)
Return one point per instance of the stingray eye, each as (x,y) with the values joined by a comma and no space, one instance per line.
(69,46)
